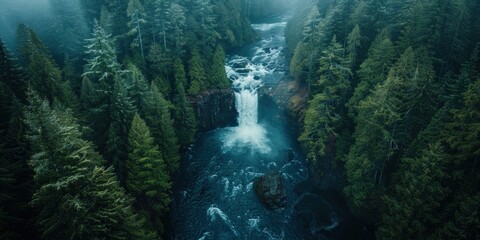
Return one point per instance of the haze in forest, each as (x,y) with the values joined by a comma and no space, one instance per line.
(41,15)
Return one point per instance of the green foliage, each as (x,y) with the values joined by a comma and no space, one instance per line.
(147,179)
(217,78)
(373,70)
(196,73)
(121,114)
(179,72)
(41,71)
(162,125)
(185,123)
(416,197)
(77,197)
(384,123)
(136,12)
(322,120)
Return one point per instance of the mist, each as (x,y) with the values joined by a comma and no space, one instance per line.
(59,23)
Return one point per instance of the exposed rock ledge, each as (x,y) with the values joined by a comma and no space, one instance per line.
(214,108)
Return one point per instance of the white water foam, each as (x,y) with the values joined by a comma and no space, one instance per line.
(213,212)
(246,81)
(268,26)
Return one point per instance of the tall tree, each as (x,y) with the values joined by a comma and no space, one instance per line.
(136,12)
(416,197)
(147,177)
(121,114)
(322,120)
(77,197)
(101,69)
(196,73)
(185,123)
(373,70)
(218,77)
(41,71)
(385,124)
(161,122)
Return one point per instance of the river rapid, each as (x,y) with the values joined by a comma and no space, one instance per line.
(214,197)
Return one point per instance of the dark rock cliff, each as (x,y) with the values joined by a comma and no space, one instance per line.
(214,108)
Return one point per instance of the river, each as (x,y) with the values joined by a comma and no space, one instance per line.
(213,196)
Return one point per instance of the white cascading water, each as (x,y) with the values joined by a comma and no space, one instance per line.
(246,83)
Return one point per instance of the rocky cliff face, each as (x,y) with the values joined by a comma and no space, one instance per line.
(215,108)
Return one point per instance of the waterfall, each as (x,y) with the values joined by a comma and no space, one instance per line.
(246,102)
(246,80)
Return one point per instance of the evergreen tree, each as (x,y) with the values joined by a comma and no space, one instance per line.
(185,123)
(101,69)
(147,177)
(322,118)
(373,70)
(218,77)
(416,197)
(354,44)
(384,123)
(137,13)
(10,73)
(196,73)
(77,198)
(162,125)
(41,71)
(179,72)
(121,112)
(176,26)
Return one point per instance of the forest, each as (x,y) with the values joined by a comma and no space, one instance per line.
(393,107)
(97,109)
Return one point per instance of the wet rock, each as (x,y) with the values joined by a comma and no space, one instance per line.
(243,70)
(270,189)
(256,77)
(214,108)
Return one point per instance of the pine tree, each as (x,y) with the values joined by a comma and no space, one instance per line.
(196,73)
(77,198)
(354,44)
(121,113)
(162,125)
(101,69)
(41,71)
(10,73)
(176,26)
(218,77)
(137,14)
(412,207)
(179,72)
(185,122)
(322,118)
(147,177)
(385,124)
(373,70)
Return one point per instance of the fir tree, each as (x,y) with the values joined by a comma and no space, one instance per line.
(77,198)
(137,13)
(163,129)
(147,177)
(218,77)
(196,73)
(185,123)
(121,114)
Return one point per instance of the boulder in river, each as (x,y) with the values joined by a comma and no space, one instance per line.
(270,189)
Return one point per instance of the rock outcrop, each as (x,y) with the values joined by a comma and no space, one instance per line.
(214,108)
(270,189)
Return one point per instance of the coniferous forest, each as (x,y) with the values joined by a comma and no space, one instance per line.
(97,102)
